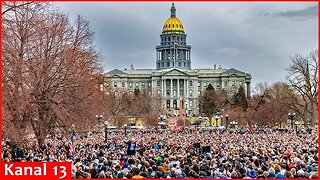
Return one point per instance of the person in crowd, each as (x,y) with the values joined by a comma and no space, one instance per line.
(248,154)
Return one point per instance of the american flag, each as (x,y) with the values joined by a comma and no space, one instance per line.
(176,44)
(73,137)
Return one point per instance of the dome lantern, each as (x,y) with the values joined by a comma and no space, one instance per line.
(173,10)
(173,25)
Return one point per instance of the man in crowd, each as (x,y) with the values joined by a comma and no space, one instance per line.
(232,154)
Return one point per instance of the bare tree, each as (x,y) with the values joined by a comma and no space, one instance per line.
(50,69)
(303,78)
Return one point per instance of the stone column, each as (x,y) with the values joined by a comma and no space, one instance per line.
(152,87)
(162,88)
(171,88)
(185,87)
(178,88)
(248,90)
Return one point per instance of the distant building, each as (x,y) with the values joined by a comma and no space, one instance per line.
(173,77)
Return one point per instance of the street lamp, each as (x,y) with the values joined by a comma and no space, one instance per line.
(199,121)
(296,126)
(106,123)
(99,117)
(291,116)
(227,118)
(233,124)
(125,130)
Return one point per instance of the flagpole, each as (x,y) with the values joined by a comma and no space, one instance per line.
(174,51)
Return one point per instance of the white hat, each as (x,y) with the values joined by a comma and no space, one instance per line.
(96,161)
(283,171)
(178,171)
(300,172)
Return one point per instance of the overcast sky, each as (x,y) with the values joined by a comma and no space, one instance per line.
(257,38)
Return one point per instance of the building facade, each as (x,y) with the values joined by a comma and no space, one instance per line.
(173,78)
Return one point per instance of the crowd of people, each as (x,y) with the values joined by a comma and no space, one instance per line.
(187,153)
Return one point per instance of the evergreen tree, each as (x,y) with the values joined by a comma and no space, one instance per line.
(208,102)
(136,91)
(239,99)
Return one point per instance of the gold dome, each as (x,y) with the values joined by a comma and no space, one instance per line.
(173,25)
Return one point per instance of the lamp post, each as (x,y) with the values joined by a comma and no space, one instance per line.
(199,121)
(227,118)
(125,130)
(296,126)
(291,116)
(106,123)
(233,124)
(99,117)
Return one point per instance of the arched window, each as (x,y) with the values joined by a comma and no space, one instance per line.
(168,104)
(175,104)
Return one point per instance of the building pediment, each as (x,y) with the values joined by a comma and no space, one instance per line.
(115,76)
(174,72)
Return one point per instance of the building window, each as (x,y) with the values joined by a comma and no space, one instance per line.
(174,93)
(184,64)
(199,84)
(142,84)
(115,84)
(158,83)
(168,92)
(130,84)
(233,83)
(167,83)
(168,104)
(205,84)
(190,83)
(122,84)
(179,63)
(241,83)
(149,84)
(226,83)
(181,92)
(168,64)
(218,85)
(190,103)
(162,64)
(175,83)
(137,84)
(190,93)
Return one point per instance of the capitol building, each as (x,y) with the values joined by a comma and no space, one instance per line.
(173,78)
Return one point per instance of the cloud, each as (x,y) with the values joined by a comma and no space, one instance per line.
(227,51)
(256,38)
(141,54)
(310,12)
